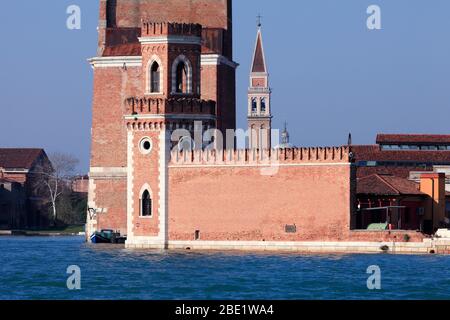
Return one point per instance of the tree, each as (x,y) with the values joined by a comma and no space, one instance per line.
(54,179)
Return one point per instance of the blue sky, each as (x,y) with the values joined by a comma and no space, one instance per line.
(330,74)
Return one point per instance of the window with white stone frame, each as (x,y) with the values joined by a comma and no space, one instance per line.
(181,76)
(154,76)
(263,105)
(146,204)
(254,105)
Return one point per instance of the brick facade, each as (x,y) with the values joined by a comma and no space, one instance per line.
(166,66)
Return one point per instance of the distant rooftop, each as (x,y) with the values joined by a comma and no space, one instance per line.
(413,139)
(376,153)
(377,184)
(22,158)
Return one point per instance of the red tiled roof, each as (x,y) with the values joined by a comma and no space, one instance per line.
(387,186)
(374,153)
(129,49)
(398,171)
(19,158)
(413,138)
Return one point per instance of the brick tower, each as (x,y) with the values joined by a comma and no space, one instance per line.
(161,66)
(259,92)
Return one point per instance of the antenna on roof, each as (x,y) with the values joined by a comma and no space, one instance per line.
(349,142)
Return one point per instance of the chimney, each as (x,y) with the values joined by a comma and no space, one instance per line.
(433,184)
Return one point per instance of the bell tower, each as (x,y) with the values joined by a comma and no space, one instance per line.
(259,95)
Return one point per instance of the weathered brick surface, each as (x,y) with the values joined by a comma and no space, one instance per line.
(235,203)
(210,13)
(111,195)
(111,88)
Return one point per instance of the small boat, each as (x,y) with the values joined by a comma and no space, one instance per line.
(107,236)
(104,236)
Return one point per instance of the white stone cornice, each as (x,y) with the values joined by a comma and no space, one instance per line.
(171,39)
(115,62)
(217,59)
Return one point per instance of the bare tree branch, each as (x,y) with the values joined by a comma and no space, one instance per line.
(55,178)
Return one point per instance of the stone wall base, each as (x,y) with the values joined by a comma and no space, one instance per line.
(427,246)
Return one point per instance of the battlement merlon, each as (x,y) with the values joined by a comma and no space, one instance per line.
(319,156)
(156,29)
(158,106)
(171,32)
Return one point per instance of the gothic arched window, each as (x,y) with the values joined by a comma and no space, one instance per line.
(181,80)
(182,75)
(263,105)
(155,78)
(254,105)
(146,204)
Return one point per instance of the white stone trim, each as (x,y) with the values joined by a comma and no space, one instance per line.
(109,170)
(171,39)
(104,173)
(275,163)
(300,246)
(141,242)
(130,177)
(148,76)
(217,59)
(91,224)
(141,145)
(189,75)
(116,62)
(21,171)
(164,156)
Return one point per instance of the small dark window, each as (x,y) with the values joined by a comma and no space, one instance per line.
(197,235)
(155,78)
(263,105)
(254,106)
(147,145)
(181,80)
(146,205)
(291,228)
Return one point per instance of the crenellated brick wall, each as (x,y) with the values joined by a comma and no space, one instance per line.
(152,29)
(296,155)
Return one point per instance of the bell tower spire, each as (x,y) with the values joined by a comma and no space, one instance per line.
(259,96)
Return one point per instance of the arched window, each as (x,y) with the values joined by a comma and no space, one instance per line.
(182,75)
(181,80)
(254,105)
(155,78)
(263,105)
(146,204)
